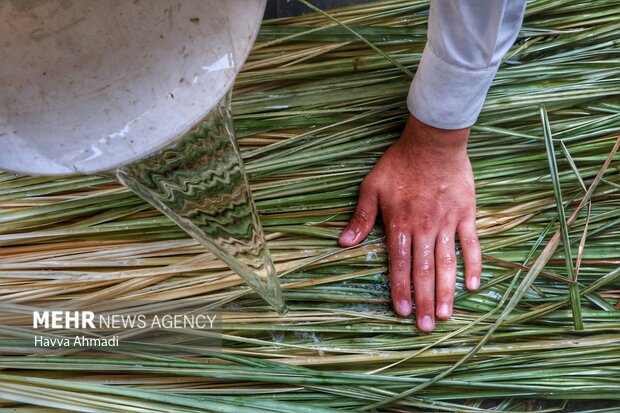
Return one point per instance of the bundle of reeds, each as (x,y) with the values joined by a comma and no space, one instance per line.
(318,101)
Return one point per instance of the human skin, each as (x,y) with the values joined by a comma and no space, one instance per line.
(423,185)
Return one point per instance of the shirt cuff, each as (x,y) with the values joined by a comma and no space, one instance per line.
(447,96)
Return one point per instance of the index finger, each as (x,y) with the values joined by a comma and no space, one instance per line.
(399,270)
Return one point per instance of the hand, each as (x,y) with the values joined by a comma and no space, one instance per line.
(424,187)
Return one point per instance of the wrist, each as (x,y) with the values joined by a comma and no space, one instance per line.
(434,142)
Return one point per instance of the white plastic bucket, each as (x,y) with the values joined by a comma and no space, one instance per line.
(89,85)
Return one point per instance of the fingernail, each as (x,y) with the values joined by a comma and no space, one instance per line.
(443,310)
(427,324)
(475,282)
(404,308)
(347,236)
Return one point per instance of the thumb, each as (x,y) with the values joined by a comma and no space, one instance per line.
(363,218)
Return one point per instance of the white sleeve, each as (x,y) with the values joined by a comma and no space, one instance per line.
(466,41)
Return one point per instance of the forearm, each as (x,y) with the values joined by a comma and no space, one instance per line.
(466,42)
